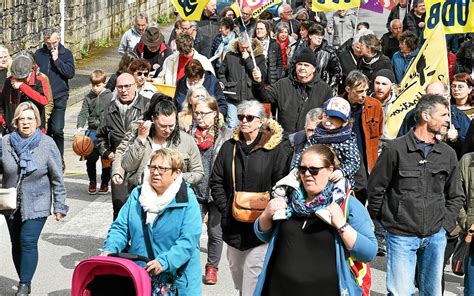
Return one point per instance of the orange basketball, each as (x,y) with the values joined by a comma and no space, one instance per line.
(82,145)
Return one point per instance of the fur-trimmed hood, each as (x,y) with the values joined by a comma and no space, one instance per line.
(272,135)
(256,45)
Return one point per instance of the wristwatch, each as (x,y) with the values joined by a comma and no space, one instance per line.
(341,229)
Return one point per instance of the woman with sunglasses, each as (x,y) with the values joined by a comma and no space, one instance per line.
(209,133)
(140,68)
(260,157)
(159,129)
(307,253)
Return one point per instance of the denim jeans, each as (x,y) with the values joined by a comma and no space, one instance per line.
(231,119)
(405,254)
(214,233)
(56,122)
(469,276)
(24,239)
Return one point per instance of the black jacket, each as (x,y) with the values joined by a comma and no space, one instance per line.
(274,62)
(394,14)
(256,171)
(113,126)
(390,45)
(465,56)
(209,26)
(412,195)
(370,66)
(411,21)
(293,99)
(236,73)
(93,106)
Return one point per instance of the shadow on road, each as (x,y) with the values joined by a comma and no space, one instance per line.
(86,245)
(6,285)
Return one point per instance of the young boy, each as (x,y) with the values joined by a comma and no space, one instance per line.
(93,105)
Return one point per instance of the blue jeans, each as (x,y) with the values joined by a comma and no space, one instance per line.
(469,276)
(24,239)
(56,122)
(231,119)
(405,253)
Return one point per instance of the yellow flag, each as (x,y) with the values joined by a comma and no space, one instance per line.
(330,5)
(190,10)
(457,16)
(430,65)
(167,90)
(235,7)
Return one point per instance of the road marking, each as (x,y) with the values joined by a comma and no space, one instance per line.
(76,181)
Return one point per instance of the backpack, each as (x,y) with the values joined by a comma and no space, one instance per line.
(360,270)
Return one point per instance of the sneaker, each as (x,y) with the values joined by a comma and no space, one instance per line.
(211,275)
(92,188)
(104,189)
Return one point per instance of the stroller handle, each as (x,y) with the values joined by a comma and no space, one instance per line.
(132,257)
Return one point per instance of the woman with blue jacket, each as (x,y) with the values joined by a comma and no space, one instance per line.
(307,253)
(173,221)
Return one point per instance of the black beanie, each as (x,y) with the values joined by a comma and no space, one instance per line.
(387,74)
(307,56)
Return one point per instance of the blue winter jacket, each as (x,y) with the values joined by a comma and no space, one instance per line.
(400,64)
(174,236)
(364,250)
(59,72)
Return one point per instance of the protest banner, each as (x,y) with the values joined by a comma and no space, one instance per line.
(388,4)
(457,16)
(372,5)
(190,10)
(330,5)
(430,65)
(259,6)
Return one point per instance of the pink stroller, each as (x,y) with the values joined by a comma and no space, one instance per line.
(113,275)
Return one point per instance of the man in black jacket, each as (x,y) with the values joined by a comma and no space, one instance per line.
(415,191)
(295,95)
(126,107)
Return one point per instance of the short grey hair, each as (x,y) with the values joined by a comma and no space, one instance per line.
(27,105)
(244,38)
(280,26)
(141,16)
(314,114)
(427,103)
(392,22)
(48,32)
(255,106)
(280,9)
(360,33)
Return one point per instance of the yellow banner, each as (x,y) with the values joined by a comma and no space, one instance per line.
(190,10)
(430,65)
(235,7)
(457,16)
(330,5)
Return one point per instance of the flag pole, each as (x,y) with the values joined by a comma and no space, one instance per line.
(247,35)
(357,20)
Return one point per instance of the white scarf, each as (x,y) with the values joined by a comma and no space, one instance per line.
(152,203)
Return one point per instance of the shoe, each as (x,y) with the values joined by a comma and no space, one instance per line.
(211,275)
(23,290)
(92,188)
(104,188)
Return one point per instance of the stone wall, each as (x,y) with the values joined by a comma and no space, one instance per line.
(85,21)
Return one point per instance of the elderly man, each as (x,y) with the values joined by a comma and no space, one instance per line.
(390,43)
(246,19)
(199,43)
(131,37)
(295,95)
(399,11)
(416,193)
(415,19)
(173,66)
(56,62)
(318,17)
(209,25)
(299,139)
(126,107)
(153,48)
(286,15)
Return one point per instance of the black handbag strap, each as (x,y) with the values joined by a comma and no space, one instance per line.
(146,235)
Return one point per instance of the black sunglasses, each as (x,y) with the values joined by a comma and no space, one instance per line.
(139,73)
(312,170)
(249,118)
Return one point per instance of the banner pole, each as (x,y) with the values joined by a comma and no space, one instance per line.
(357,21)
(247,35)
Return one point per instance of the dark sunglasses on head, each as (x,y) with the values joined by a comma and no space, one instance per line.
(140,73)
(249,118)
(312,170)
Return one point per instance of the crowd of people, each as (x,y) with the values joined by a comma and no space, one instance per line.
(287,111)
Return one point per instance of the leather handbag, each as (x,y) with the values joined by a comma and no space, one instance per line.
(9,197)
(247,206)
(461,255)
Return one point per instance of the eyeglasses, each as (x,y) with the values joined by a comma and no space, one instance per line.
(140,73)
(249,118)
(314,171)
(244,13)
(125,86)
(201,114)
(26,119)
(161,170)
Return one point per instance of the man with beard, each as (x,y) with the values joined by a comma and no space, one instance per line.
(132,36)
(384,92)
(415,191)
(295,95)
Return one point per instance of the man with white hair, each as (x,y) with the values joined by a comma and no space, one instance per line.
(390,43)
(131,37)
(286,15)
(209,25)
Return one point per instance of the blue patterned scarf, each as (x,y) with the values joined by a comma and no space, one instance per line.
(23,147)
(324,136)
